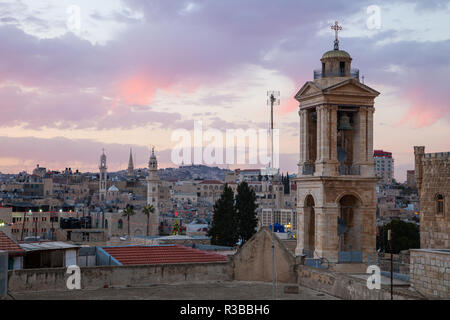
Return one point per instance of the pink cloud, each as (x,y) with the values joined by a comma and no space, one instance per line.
(427,107)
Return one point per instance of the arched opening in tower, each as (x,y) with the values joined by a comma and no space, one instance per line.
(310,227)
(349,228)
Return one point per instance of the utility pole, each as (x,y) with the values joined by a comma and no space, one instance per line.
(392,274)
(273,99)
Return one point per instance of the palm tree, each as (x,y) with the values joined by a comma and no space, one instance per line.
(148,210)
(128,212)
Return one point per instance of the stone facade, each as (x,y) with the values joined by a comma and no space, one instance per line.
(433,181)
(430,272)
(336,179)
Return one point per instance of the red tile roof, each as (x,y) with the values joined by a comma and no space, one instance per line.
(132,255)
(9,245)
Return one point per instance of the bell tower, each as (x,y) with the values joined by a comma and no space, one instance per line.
(336,204)
(103,178)
(153,192)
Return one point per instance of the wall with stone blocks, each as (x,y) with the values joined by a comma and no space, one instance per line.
(430,272)
(346,287)
(118,276)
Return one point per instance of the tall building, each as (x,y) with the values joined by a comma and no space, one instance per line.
(153,192)
(384,166)
(336,203)
(411,178)
(103,177)
(130,170)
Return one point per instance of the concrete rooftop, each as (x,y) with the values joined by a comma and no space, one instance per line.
(217,290)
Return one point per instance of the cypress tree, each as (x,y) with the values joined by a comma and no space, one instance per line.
(246,211)
(223,229)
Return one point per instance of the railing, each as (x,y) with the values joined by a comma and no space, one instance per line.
(318,74)
(349,256)
(308,169)
(347,170)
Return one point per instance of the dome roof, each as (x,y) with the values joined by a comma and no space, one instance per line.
(336,54)
(113,188)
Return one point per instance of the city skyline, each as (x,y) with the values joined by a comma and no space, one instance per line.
(123,76)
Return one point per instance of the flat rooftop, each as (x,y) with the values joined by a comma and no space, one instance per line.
(217,290)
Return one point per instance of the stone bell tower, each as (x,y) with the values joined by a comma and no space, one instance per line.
(153,192)
(103,178)
(336,204)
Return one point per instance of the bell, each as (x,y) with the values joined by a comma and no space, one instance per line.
(344,123)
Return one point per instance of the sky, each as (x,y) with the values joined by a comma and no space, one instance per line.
(80,76)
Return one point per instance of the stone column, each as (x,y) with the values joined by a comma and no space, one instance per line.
(300,231)
(333,133)
(325,134)
(301,140)
(326,234)
(368,230)
(362,148)
(305,119)
(370,112)
(319,134)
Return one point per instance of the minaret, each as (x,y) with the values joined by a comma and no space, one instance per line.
(130,165)
(153,192)
(103,177)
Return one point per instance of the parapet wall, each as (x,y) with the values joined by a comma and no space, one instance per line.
(430,272)
(118,276)
(346,287)
(436,155)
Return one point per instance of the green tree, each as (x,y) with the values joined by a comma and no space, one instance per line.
(246,212)
(404,236)
(148,210)
(223,229)
(128,212)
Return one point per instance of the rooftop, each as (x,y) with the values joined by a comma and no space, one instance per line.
(161,254)
(50,245)
(9,245)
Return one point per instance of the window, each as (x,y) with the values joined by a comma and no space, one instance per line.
(342,68)
(440,204)
(120,224)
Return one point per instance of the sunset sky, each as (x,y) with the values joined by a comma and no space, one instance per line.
(134,71)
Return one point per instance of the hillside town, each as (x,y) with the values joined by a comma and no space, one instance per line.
(340,226)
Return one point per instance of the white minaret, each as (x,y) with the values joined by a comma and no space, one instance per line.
(153,192)
(103,177)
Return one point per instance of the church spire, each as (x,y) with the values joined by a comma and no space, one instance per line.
(130,165)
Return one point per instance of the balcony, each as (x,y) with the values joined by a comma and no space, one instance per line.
(354,73)
(308,169)
(349,170)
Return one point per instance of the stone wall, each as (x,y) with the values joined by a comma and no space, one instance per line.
(253,262)
(430,272)
(346,287)
(117,276)
(433,178)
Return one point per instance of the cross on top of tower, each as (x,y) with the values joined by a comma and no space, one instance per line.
(336,27)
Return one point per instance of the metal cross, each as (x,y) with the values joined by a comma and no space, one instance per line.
(336,29)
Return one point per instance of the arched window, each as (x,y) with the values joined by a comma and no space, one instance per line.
(440,204)
(120,224)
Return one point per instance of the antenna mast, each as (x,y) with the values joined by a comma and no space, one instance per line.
(273,98)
